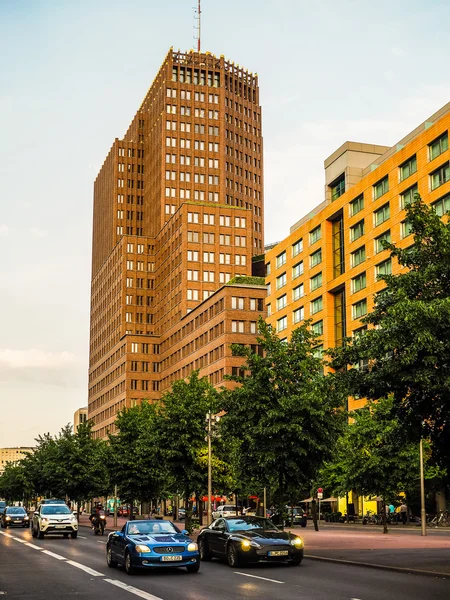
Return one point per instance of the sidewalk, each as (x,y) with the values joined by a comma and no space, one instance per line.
(402,549)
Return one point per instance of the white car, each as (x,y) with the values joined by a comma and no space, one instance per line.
(225,510)
(54,519)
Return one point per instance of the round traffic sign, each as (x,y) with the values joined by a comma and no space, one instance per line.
(320,490)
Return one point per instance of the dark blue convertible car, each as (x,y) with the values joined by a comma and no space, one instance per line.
(149,544)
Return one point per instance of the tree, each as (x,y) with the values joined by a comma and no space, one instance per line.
(135,457)
(407,345)
(284,416)
(14,483)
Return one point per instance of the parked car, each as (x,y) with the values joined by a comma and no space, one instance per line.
(225,510)
(124,510)
(151,543)
(15,516)
(296,516)
(242,540)
(181,514)
(54,519)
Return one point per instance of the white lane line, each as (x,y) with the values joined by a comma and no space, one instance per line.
(6,534)
(30,545)
(257,577)
(58,556)
(99,542)
(84,568)
(133,590)
(21,540)
(83,537)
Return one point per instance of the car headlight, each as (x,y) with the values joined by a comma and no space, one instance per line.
(141,549)
(8,518)
(74,519)
(26,518)
(192,547)
(297,542)
(44,520)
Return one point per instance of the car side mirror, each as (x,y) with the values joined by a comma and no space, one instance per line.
(184,531)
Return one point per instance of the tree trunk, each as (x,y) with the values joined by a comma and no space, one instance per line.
(314,514)
(384,516)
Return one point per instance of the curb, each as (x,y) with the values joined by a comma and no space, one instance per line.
(408,570)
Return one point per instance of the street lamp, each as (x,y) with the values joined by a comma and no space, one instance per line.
(423,515)
(211,421)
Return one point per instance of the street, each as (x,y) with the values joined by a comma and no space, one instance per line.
(57,568)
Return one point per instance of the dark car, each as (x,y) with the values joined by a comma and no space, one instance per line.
(296,516)
(242,540)
(149,544)
(15,516)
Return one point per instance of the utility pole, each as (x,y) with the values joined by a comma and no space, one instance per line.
(115,506)
(423,514)
(209,509)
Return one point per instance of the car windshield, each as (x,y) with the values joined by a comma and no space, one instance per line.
(151,527)
(15,510)
(56,509)
(249,523)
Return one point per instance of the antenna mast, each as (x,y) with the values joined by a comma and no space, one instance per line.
(197,27)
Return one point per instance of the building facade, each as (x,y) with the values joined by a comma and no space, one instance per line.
(80,416)
(328,268)
(178,216)
(12,455)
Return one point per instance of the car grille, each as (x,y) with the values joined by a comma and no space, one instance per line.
(169,549)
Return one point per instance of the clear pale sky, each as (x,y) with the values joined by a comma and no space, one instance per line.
(72,75)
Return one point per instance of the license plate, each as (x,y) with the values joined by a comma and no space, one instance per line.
(279,553)
(171,558)
(18,521)
(60,526)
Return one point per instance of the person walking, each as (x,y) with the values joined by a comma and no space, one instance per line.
(403,512)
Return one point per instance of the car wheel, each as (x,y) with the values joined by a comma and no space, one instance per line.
(40,534)
(204,551)
(74,535)
(33,532)
(303,524)
(66,536)
(112,564)
(232,555)
(193,568)
(295,562)
(128,565)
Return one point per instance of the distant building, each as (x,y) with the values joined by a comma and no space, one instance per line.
(80,416)
(12,455)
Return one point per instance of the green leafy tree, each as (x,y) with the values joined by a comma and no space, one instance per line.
(284,416)
(15,484)
(407,345)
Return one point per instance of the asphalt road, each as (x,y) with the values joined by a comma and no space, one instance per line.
(59,569)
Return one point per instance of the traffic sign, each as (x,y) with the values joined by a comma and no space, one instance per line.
(320,490)
(319,495)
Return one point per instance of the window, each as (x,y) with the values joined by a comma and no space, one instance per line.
(381,215)
(442,205)
(281,281)
(316,258)
(338,187)
(356,205)
(384,237)
(358,282)
(315,235)
(358,256)
(192,255)
(440,176)
(237,326)
(408,168)
(297,247)
(316,305)
(405,228)
(317,328)
(237,302)
(316,281)
(192,294)
(357,231)
(408,196)
(281,302)
(282,324)
(384,268)
(359,309)
(281,259)
(297,270)
(299,315)
(381,188)
(439,146)
(134,347)
(298,292)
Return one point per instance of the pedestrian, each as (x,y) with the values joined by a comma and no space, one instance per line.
(403,512)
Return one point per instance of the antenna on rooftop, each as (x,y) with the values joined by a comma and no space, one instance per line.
(197,26)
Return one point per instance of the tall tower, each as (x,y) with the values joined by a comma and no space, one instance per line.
(178,213)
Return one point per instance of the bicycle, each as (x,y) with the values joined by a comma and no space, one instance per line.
(440,520)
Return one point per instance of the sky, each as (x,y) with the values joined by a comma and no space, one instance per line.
(73,74)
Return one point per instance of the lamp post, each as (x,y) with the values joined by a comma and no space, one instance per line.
(423,515)
(209,432)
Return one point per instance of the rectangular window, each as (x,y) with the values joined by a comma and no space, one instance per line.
(357,231)
(439,146)
(316,281)
(407,196)
(440,176)
(298,292)
(317,328)
(359,309)
(316,305)
(408,168)
(381,188)
(358,256)
(316,258)
(237,302)
(359,282)
(405,228)
(442,206)
(338,187)
(384,268)
(381,215)
(297,270)
(237,326)
(281,259)
(299,315)
(281,281)
(315,235)
(297,247)
(281,302)
(282,324)
(378,242)
(356,205)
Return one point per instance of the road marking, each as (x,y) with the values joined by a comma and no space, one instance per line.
(99,542)
(83,537)
(21,540)
(30,545)
(6,534)
(84,568)
(58,556)
(133,590)
(257,577)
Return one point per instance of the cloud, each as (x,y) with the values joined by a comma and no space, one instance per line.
(55,368)
(400,52)
(40,233)
(4,230)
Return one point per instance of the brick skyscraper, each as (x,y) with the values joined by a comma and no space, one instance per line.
(178,213)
